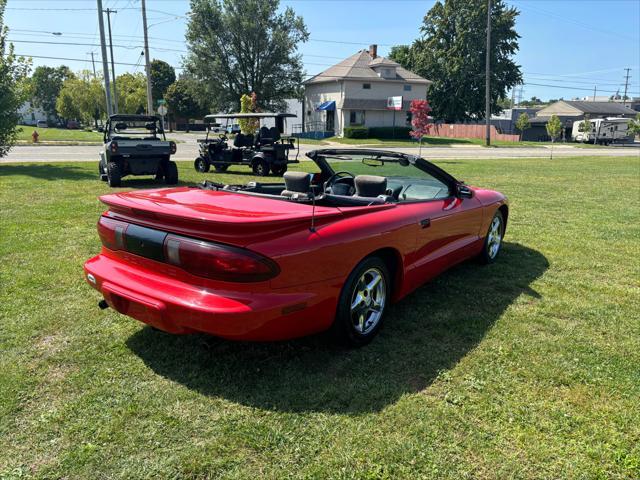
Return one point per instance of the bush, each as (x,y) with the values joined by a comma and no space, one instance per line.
(356,132)
(401,132)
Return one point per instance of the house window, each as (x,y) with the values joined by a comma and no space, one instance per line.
(366,86)
(407,88)
(356,117)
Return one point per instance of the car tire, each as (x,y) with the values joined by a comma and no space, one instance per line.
(114,176)
(220,167)
(201,165)
(362,303)
(260,168)
(101,173)
(171,173)
(279,170)
(493,239)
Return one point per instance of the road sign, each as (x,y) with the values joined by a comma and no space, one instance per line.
(161,101)
(394,103)
(162,110)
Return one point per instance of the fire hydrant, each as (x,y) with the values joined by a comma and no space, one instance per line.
(35,136)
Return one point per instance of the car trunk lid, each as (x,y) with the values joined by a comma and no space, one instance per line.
(218,215)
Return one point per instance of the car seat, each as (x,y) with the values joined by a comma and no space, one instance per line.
(370,185)
(297,185)
(274,133)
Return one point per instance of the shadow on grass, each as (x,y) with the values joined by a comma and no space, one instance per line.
(427,332)
(49,171)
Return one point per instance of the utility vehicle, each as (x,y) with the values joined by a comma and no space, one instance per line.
(136,145)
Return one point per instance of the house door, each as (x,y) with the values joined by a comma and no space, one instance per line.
(331,121)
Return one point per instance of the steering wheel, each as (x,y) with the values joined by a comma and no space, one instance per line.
(336,178)
(222,136)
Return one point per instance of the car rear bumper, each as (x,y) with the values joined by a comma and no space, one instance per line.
(177,307)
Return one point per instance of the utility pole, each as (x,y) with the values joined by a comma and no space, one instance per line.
(147,66)
(487,86)
(594,92)
(105,64)
(108,11)
(626,85)
(93,63)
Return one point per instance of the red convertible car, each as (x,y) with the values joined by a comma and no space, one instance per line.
(330,248)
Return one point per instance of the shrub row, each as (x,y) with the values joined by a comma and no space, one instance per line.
(356,132)
(377,132)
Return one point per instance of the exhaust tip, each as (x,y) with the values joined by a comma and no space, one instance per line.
(102,304)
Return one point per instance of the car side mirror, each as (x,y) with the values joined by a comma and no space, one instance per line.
(463,191)
(100,128)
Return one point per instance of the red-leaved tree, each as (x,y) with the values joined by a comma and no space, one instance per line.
(420,120)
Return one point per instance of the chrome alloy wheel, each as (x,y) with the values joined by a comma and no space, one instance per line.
(368,300)
(494,237)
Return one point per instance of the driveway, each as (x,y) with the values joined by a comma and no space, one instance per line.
(189,151)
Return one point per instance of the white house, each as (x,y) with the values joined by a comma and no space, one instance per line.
(354,92)
(30,115)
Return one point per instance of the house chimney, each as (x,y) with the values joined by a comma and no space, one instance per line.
(373,51)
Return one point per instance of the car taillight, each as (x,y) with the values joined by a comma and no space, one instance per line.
(112,233)
(114,147)
(217,261)
(172,146)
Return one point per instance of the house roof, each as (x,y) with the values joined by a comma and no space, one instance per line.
(359,67)
(567,107)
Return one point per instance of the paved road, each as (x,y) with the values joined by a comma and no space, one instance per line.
(188,151)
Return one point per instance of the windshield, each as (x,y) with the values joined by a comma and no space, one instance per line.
(134,129)
(406,178)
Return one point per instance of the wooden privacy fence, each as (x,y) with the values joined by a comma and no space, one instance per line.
(455,130)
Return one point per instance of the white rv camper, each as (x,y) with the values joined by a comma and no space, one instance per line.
(603,131)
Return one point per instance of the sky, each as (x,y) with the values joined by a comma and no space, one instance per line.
(567,47)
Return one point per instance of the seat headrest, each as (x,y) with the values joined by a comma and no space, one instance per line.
(274,133)
(297,181)
(370,185)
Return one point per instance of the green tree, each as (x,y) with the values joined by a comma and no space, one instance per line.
(585,126)
(554,127)
(82,97)
(132,93)
(523,123)
(451,53)
(45,85)
(182,100)
(239,46)
(634,126)
(162,75)
(402,55)
(13,73)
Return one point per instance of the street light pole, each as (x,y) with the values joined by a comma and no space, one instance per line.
(146,59)
(105,64)
(487,86)
(108,11)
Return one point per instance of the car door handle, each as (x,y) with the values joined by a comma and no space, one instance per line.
(424,223)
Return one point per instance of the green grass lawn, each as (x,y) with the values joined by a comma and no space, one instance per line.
(527,368)
(446,142)
(57,134)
